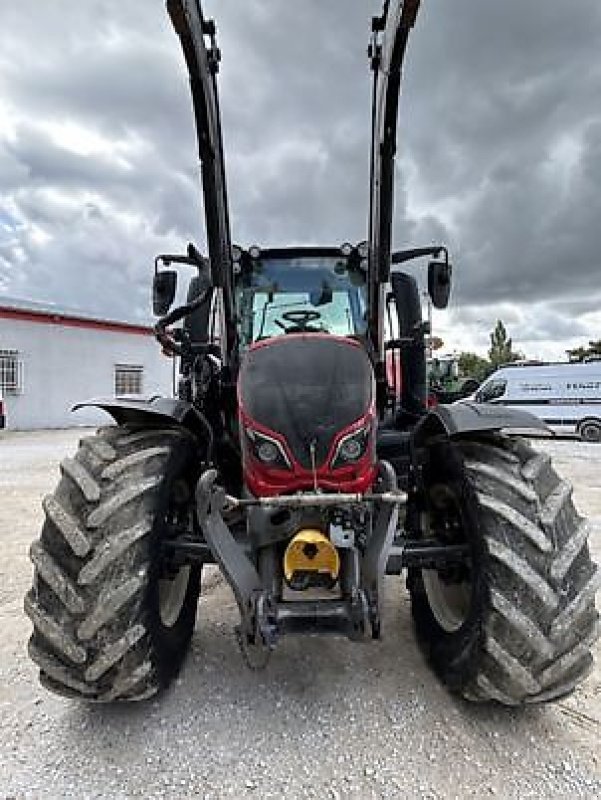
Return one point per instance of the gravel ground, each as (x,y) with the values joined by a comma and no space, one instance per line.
(328,719)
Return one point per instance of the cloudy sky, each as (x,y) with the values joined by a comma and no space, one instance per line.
(499,150)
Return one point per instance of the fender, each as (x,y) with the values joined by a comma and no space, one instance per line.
(158,411)
(467,417)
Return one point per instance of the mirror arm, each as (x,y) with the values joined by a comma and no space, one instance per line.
(401,256)
(168,258)
(195,255)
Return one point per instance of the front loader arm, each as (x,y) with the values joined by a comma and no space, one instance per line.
(387,51)
(197,37)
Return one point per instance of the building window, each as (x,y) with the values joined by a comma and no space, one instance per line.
(128,379)
(11,371)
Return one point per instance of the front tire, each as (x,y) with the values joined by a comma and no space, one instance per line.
(110,622)
(516,626)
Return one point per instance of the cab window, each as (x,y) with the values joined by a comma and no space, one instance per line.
(300,294)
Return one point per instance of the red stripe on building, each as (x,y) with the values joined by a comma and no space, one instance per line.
(48,318)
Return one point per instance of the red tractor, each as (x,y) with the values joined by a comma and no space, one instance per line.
(288,460)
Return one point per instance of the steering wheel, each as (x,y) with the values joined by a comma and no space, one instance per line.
(300,320)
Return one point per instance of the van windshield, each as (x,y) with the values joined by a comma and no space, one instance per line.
(492,390)
(311,294)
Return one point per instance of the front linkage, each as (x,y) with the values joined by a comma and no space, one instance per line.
(264,616)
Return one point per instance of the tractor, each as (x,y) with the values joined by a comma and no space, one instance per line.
(299,455)
(445,383)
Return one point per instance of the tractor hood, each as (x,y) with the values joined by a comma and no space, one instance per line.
(306,389)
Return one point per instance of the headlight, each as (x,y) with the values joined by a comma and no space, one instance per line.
(351,448)
(267,450)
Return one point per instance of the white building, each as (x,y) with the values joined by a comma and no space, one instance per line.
(51,358)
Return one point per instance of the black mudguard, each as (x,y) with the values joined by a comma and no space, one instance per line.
(467,417)
(158,411)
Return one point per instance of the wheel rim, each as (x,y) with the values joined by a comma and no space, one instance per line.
(591,432)
(449,602)
(172,594)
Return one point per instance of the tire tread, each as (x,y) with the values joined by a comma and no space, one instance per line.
(539,589)
(533,623)
(92,568)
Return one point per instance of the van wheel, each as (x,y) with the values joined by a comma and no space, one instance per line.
(589,430)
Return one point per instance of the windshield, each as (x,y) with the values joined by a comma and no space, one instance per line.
(307,294)
(491,390)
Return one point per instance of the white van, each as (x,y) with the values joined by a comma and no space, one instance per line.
(565,396)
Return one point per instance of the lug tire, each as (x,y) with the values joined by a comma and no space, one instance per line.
(531,623)
(95,605)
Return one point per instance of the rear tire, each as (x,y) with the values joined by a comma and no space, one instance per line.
(517,626)
(108,622)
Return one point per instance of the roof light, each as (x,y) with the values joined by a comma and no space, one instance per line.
(363,249)
(346,249)
(254,251)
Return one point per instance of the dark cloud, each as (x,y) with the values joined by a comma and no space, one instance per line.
(515,89)
(499,149)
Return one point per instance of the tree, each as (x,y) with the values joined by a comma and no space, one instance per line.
(471,365)
(501,347)
(580,353)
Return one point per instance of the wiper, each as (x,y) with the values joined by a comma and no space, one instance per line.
(263,318)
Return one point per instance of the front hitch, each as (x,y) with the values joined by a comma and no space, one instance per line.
(264,617)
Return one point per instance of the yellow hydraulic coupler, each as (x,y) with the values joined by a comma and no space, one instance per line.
(311,560)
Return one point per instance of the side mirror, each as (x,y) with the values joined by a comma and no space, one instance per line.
(439,283)
(163,291)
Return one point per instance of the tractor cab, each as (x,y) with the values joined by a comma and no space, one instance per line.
(305,385)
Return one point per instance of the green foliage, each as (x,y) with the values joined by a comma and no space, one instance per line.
(501,347)
(580,353)
(474,366)
(501,351)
